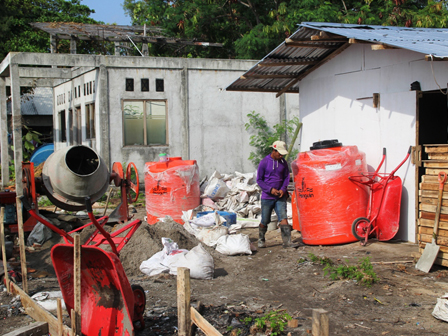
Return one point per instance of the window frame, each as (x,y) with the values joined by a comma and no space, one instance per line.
(145,138)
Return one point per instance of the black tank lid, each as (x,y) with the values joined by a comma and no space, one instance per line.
(326,144)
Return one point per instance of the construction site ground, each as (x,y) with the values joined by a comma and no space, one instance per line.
(246,287)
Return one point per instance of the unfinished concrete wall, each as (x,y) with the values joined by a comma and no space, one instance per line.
(205,122)
(337,103)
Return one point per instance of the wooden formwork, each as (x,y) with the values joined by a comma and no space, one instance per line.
(428,191)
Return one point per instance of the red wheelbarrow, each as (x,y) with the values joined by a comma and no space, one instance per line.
(383,215)
(109,304)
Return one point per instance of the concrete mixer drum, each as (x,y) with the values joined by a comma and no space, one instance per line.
(72,174)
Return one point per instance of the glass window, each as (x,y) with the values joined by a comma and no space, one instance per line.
(90,121)
(145,122)
(62,129)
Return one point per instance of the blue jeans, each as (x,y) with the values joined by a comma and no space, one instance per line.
(267,205)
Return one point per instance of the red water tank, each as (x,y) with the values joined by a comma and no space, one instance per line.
(170,188)
(327,201)
(295,213)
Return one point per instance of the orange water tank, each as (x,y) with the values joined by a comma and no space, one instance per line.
(327,201)
(295,213)
(170,188)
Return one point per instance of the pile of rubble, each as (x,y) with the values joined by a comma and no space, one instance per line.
(236,192)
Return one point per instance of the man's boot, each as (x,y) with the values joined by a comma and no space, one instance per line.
(261,232)
(286,236)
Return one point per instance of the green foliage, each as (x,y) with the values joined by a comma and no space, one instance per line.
(247,320)
(265,136)
(251,29)
(43,201)
(274,321)
(16,33)
(363,272)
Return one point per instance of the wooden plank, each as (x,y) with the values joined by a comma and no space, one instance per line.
(442,248)
(433,186)
(59,316)
(429,179)
(438,156)
(432,194)
(2,241)
(432,208)
(429,231)
(183,301)
(22,245)
(436,149)
(38,313)
(435,164)
(441,262)
(435,171)
(320,326)
(76,312)
(432,201)
(430,223)
(432,216)
(203,324)
(425,238)
(34,329)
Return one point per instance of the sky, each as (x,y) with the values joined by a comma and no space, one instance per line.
(108,11)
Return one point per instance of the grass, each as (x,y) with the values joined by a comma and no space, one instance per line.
(363,272)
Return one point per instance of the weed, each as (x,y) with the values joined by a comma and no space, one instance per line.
(43,201)
(264,135)
(363,273)
(274,321)
(247,320)
(229,328)
(301,260)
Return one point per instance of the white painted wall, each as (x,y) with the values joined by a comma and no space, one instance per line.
(336,103)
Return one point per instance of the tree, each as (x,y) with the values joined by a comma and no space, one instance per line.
(17,35)
(252,28)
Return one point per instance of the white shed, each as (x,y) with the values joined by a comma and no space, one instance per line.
(371,86)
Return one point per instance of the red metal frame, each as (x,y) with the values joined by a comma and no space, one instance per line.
(106,292)
(385,197)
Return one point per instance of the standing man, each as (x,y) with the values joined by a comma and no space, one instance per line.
(273,179)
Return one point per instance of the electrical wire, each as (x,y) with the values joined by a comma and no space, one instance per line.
(435,80)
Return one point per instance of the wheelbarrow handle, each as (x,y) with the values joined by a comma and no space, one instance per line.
(42,220)
(442,179)
(99,227)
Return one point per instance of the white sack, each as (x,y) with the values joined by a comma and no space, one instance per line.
(441,309)
(234,244)
(216,189)
(215,175)
(198,260)
(204,221)
(153,265)
(209,236)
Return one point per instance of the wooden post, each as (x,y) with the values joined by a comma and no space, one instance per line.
(203,324)
(59,314)
(76,312)
(22,245)
(34,329)
(183,301)
(2,241)
(321,325)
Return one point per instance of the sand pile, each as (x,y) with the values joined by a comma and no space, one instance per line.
(147,241)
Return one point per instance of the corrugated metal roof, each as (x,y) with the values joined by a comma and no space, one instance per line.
(315,43)
(38,103)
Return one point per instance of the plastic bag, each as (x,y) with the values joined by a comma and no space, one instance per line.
(198,260)
(234,244)
(48,300)
(39,235)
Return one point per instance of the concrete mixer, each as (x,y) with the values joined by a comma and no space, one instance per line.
(71,174)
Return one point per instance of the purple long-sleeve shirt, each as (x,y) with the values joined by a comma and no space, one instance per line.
(272,174)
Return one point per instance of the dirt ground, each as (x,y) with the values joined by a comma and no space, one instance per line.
(246,287)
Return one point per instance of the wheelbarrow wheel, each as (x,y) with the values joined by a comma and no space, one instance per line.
(139,307)
(360,227)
